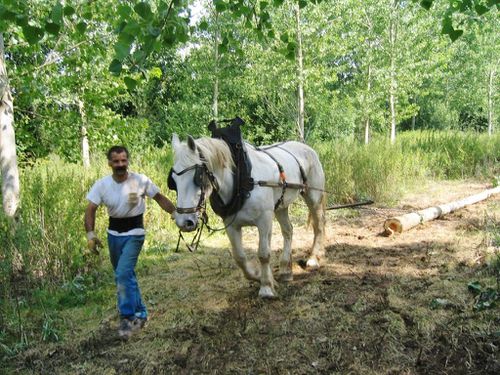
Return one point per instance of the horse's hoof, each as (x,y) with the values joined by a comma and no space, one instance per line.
(285,276)
(312,264)
(266,292)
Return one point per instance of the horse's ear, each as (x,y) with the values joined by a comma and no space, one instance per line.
(175,141)
(191,143)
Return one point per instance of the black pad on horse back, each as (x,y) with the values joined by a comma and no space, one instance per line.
(243,181)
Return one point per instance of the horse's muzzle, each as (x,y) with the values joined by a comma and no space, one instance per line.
(186,223)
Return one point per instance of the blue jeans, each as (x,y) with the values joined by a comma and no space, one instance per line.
(123,252)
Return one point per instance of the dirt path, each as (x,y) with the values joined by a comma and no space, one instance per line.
(379,305)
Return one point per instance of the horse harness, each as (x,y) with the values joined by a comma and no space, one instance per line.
(282,176)
(203,176)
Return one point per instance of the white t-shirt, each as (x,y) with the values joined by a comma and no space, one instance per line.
(123,199)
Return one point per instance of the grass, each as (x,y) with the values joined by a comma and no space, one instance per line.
(47,281)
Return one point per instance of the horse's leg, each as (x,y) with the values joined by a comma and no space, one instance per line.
(239,255)
(264,225)
(314,201)
(285,272)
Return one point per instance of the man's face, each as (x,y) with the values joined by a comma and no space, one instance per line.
(119,163)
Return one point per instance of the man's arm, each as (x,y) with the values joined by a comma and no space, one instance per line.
(164,203)
(90,217)
(93,242)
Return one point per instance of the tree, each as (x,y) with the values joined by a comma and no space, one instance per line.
(8,158)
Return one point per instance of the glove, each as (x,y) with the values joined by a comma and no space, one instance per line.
(93,243)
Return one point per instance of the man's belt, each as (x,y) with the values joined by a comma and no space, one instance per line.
(124,224)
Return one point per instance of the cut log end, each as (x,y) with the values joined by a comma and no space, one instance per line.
(392,226)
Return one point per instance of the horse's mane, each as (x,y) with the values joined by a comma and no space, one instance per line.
(215,151)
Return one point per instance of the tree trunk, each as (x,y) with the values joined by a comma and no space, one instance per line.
(8,159)
(85,140)
(393,86)
(300,76)
(367,121)
(491,84)
(215,103)
(404,222)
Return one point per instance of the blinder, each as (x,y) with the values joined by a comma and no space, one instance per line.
(200,176)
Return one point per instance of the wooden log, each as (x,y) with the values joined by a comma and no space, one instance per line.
(404,222)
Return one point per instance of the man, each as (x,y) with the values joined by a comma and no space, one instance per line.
(123,193)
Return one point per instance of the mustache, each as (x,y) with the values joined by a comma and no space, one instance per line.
(120,168)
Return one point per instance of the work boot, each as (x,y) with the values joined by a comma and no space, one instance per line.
(138,323)
(125,329)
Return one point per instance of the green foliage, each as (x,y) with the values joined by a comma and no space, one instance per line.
(461,12)
(382,171)
(485,297)
(455,155)
(378,170)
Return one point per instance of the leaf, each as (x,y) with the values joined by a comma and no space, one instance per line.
(437,303)
(32,34)
(302,4)
(21,20)
(122,50)
(481,9)
(263,5)
(125,38)
(6,14)
(474,287)
(203,25)
(486,299)
(124,11)
(130,83)
(455,34)
(448,28)
(154,31)
(57,14)
(139,56)
(222,48)
(132,28)
(426,4)
(115,67)
(220,6)
(68,11)
(81,27)
(155,73)
(284,38)
(52,28)
(278,3)
(143,9)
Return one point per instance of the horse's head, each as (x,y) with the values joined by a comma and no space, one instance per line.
(192,180)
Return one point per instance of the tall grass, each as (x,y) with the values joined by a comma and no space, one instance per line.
(383,171)
(43,250)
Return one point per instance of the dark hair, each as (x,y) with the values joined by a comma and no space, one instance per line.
(118,150)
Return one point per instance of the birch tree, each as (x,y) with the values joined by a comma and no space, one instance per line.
(300,76)
(8,158)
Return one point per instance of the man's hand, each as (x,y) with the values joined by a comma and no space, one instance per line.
(93,243)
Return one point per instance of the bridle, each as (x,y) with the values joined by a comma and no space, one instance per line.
(202,176)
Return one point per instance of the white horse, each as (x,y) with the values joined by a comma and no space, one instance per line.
(206,163)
